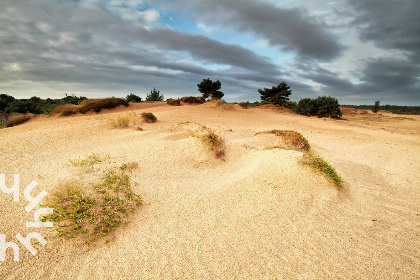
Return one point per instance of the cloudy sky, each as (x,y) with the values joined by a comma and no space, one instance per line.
(358,51)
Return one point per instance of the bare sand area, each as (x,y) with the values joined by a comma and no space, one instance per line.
(256,214)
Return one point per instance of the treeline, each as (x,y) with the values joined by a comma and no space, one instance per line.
(35,105)
(395,109)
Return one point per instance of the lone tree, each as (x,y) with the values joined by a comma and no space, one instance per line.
(375,107)
(210,89)
(154,95)
(276,95)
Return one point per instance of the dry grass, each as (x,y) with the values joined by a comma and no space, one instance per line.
(215,143)
(98,104)
(122,121)
(292,140)
(208,137)
(243,105)
(224,106)
(18,119)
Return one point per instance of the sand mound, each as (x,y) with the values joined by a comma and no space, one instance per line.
(256,214)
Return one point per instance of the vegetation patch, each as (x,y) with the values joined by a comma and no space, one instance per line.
(173,102)
(133,98)
(87,162)
(192,100)
(122,121)
(215,143)
(148,117)
(17,119)
(91,210)
(320,165)
(208,137)
(292,140)
(243,105)
(322,106)
(98,104)
(223,105)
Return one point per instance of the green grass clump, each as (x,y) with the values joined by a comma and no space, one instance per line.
(148,117)
(89,161)
(98,104)
(320,165)
(17,119)
(3,123)
(90,211)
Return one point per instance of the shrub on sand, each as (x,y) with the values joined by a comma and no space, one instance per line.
(148,117)
(173,102)
(18,119)
(243,105)
(193,100)
(98,104)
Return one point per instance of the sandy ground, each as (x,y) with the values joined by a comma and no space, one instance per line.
(258,214)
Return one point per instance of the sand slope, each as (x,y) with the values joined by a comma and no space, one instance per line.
(257,214)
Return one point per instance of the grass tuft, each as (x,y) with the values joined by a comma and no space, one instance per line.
(89,161)
(122,121)
(215,143)
(320,165)
(293,140)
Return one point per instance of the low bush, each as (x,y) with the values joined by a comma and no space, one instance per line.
(133,98)
(98,104)
(320,165)
(17,119)
(173,102)
(193,100)
(148,117)
(322,106)
(243,105)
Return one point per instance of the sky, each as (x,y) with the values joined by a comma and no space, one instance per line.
(357,51)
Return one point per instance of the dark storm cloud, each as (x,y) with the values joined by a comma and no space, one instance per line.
(290,29)
(391,74)
(75,43)
(389,24)
(209,50)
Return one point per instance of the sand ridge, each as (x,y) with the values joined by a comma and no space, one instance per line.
(256,214)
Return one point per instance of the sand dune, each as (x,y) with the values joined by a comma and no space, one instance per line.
(255,214)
